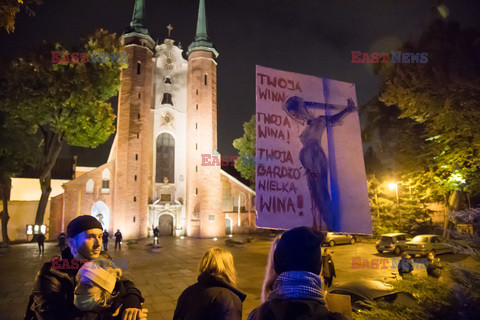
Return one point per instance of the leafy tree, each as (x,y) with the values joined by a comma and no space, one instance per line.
(17,150)
(9,10)
(245,145)
(66,102)
(439,100)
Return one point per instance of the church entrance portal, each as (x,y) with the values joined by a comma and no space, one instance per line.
(165,225)
(101,212)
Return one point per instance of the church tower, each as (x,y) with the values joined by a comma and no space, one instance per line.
(204,193)
(132,146)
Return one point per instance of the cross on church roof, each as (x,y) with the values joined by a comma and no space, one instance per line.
(170,28)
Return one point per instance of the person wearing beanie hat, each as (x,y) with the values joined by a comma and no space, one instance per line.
(297,292)
(53,292)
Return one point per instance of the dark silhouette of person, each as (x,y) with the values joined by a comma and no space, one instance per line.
(41,243)
(313,157)
(105,240)
(156,234)
(118,239)
(62,240)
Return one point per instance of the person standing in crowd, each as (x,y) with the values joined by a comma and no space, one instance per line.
(214,296)
(41,243)
(328,268)
(270,274)
(156,234)
(105,240)
(62,239)
(118,239)
(297,292)
(405,266)
(434,266)
(53,293)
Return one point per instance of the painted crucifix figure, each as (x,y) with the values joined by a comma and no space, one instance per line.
(312,156)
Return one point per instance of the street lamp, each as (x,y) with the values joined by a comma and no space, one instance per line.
(394,186)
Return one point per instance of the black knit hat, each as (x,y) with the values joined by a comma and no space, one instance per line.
(82,223)
(299,250)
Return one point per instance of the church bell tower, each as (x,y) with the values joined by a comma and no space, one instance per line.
(204,193)
(133,163)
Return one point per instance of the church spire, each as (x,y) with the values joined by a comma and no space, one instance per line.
(138,27)
(201,41)
(201,34)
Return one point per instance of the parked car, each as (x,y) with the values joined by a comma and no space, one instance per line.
(333,239)
(371,290)
(425,243)
(392,242)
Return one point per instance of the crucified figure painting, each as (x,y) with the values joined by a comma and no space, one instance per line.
(313,157)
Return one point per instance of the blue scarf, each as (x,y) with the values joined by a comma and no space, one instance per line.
(297,285)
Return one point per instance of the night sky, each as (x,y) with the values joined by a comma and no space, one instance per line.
(312,37)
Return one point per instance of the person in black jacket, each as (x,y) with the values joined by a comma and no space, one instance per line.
(434,266)
(105,239)
(54,284)
(328,268)
(405,266)
(41,243)
(214,296)
(118,239)
(297,292)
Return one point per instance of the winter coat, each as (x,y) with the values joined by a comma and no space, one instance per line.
(156,232)
(41,238)
(54,284)
(210,298)
(294,309)
(118,236)
(405,266)
(434,268)
(328,268)
(105,237)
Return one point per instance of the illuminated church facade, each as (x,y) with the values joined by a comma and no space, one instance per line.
(167,118)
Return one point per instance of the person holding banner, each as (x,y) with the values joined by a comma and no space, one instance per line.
(312,156)
(297,292)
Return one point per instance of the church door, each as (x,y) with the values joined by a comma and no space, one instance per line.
(228,226)
(165,225)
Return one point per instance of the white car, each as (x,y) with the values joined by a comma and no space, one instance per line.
(425,243)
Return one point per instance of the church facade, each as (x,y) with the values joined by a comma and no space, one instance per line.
(167,119)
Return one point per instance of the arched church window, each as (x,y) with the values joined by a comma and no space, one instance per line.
(89,186)
(167,98)
(138,67)
(168,80)
(205,79)
(165,167)
(106,181)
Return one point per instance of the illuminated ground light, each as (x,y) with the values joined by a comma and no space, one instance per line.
(181,237)
(214,239)
(229,235)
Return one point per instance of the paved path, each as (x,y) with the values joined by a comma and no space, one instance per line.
(162,276)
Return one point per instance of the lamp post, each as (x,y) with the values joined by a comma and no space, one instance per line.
(394,186)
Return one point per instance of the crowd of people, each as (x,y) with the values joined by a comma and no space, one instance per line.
(92,287)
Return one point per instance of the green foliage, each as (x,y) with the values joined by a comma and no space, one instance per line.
(410,211)
(246,151)
(9,10)
(437,299)
(71,100)
(443,97)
